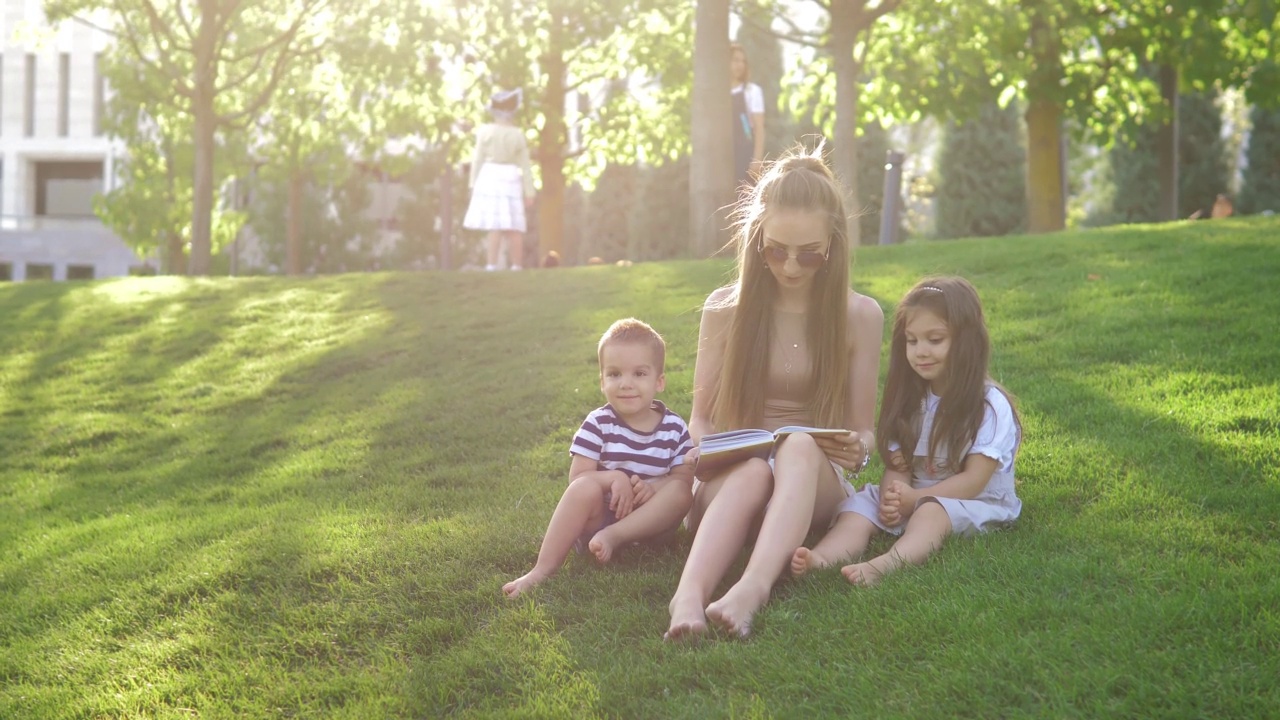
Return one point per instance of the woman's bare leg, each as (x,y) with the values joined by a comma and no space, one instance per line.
(727,507)
(800,467)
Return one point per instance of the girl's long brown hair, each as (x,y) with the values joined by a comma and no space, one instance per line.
(797,181)
(961,408)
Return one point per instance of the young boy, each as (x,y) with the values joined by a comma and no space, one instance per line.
(628,480)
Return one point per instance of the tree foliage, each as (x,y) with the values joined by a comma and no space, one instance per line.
(830,81)
(626,62)
(150,208)
(981,186)
(1260,186)
(1203,168)
(1074,64)
(218,62)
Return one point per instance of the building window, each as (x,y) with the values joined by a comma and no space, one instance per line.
(29,118)
(79,272)
(6,272)
(64,94)
(39,271)
(67,189)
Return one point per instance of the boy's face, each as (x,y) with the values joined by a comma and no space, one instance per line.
(629,377)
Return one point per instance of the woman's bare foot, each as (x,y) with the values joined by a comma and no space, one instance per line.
(733,612)
(602,546)
(524,583)
(688,620)
(871,572)
(805,560)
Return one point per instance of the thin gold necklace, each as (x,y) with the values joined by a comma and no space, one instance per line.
(790,353)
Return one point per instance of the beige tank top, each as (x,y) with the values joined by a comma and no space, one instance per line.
(789,383)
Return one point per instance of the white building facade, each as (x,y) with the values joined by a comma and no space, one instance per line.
(54,157)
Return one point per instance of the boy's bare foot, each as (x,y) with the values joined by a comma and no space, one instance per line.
(524,583)
(733,612)
(601,546)
(869,573)
(688,621)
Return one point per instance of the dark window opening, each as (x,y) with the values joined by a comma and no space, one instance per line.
(79,272)
(39,271)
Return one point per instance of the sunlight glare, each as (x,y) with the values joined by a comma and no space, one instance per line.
(130,290)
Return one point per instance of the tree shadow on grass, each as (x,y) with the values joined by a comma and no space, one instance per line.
(1169,371)
(370,437)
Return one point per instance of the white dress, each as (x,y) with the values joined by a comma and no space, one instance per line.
(996,506)
(500,179)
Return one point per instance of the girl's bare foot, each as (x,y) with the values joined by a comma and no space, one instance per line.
(869,573)
(733,612)
(805,560)
(688,620)
(524,583)
(601,546)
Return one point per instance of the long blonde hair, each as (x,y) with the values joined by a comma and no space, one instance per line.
(796,181)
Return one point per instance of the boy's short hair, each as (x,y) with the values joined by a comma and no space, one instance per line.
(631,330)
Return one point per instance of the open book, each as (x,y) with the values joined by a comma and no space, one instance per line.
(719,450)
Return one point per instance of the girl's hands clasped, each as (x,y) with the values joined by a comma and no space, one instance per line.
(849,451)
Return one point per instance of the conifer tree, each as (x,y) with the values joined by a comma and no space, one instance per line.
(982,187)
(1203,171)
(1260,189)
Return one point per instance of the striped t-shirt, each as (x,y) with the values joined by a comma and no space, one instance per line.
(614,445)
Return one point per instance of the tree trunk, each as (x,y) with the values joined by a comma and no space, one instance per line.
(711,163)
(202,109)
(1167,145)
(552,140)
(293,225)
(1045,209)
(845,26)
(175,256)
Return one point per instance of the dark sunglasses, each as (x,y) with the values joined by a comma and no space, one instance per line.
(807,259)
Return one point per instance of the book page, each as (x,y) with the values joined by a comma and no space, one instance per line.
(816,432)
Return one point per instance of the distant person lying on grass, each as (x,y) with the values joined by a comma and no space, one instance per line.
(1222,208)
(937,396)
(627,480)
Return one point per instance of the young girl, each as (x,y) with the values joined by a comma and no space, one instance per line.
(787,344)
(937,397)
(501,182)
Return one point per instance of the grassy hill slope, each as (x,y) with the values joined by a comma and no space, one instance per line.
(299,498)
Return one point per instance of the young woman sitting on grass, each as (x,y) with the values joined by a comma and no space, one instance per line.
(787,344)
(937,397)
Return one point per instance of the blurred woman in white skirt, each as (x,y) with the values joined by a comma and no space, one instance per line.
(501,183)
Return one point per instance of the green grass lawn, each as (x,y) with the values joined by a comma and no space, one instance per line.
(300,498)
